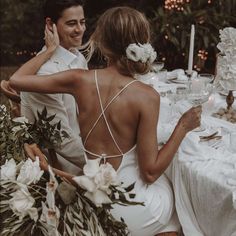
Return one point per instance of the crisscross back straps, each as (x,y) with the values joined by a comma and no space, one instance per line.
(103,111)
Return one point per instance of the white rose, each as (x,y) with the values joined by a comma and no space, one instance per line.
(8,170)
(141,52)
(30,172)
(85,183)
(98,198)
(148,53)
(106,177)
(91,167)
(21,203)
(134,52)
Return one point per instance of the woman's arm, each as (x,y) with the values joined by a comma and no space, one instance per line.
(152,162)
(25,80)
(33,65)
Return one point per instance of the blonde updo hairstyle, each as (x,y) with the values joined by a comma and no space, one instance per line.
(116,29)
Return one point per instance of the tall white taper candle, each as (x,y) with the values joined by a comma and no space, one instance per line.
(191,49)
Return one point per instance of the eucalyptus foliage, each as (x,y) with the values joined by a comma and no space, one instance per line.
(78,215)
(13,134)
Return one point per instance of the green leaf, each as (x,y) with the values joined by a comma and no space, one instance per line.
(130,187)
(59,125)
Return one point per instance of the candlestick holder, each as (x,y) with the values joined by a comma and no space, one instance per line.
(230,86)
(190,76)
(230,99)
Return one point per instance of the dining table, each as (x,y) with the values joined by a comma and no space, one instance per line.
(203,172)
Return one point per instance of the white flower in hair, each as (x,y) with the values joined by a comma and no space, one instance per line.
(141,52)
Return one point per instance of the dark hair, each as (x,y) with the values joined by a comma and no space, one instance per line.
(54,8)
(116,29)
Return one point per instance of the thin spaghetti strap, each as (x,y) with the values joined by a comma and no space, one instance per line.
(104,116)
(105,108)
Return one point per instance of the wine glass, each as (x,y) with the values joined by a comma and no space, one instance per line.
(175,96)
(157,66)
(199,93)
(207,78)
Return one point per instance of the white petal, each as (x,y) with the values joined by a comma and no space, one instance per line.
(98,198)
(85,183)
(91,167)
(33,213)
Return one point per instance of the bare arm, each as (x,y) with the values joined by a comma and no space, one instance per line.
(24,79)
(152,162)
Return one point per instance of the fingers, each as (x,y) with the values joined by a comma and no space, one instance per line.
(192,118)
(51,38)
(29,151)
(32,150)
(54,29)
(47,33)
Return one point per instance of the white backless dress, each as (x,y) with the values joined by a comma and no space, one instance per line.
(158,215)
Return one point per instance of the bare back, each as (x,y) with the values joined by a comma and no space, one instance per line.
(122,115)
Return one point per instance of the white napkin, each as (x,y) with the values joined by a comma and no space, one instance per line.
(175,73)
(179,74)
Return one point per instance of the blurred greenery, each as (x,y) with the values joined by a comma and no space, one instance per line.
(22,26)
(171,31)
(21,30)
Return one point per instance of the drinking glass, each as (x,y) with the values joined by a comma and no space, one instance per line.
(157,66)
(199,93)
(174,97)
(207,78)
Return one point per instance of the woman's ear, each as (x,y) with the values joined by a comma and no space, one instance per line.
(49,23)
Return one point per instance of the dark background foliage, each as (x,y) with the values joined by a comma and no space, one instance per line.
(22,28)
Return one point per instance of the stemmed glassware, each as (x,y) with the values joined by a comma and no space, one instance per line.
(174,97)
(157,66)
(199,93)
(207,78)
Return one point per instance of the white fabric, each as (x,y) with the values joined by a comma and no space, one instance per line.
(203,177)
(63,105)
(158,213)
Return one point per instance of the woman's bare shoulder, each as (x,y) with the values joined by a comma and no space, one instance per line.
(147,92)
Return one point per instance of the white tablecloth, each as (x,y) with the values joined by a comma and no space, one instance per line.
(204,178)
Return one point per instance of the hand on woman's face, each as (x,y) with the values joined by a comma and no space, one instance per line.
(51,38)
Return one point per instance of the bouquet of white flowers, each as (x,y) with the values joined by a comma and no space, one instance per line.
(36,201)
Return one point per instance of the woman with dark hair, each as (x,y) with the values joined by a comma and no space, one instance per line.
(119,115)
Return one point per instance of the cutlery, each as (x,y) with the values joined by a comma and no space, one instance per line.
(208,136)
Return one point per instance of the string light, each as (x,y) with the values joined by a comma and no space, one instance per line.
(21,53)
(202,54)
(175,4)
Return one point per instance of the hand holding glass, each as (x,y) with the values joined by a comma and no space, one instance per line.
(199,93)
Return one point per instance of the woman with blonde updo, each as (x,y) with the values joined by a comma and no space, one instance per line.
(118,115)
